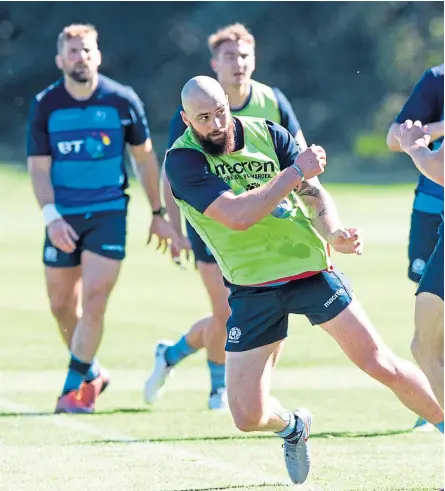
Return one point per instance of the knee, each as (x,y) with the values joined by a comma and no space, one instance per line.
(98,287)
(63,307)
(95,295)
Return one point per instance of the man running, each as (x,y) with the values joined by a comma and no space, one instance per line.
(233,61)
(272,245)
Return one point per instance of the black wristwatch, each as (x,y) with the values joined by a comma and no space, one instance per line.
(160,212)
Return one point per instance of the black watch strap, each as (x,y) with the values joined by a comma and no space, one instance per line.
(160,212)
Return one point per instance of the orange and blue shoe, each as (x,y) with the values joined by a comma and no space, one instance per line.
(90,391)
(73,402)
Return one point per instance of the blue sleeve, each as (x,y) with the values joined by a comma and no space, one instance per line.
(137,132)
(191,180)
(287,115)
(177,127)
(423,103)
(37,137)
(286,147)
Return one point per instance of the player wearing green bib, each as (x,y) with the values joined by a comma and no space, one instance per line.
(233,61)
(235,180)
(254,164)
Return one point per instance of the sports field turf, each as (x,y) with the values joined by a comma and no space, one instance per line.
(359,441)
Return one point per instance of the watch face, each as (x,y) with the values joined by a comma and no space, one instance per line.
(160,212)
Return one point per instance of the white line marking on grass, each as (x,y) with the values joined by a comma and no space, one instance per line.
(66,421)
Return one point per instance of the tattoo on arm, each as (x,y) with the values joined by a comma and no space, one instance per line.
(307,190)
(314,192)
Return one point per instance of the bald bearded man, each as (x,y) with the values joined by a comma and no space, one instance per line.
(241,182)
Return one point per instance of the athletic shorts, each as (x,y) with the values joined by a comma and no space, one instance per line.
(422,241)
(200,250)
(432,279)
(260,314)
(103,233)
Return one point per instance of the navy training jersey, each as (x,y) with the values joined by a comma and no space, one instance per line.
(86,141)
(287,116)
(426,103)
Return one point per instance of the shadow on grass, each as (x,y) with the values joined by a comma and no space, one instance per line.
(320,435)
(6,414)
(327,435)
(275,485)
(238,486)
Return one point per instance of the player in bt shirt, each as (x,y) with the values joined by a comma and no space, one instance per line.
(77,135)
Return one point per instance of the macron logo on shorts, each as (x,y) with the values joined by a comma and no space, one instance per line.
(334,297)
(112,247)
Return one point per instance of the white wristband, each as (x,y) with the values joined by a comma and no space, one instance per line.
(50,214)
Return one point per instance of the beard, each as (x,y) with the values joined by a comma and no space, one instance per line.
(81,75)
(223,147)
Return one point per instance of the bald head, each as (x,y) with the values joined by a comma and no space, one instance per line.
(201,92)
(207,113)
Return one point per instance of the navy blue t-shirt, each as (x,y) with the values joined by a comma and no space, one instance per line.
(192,181)
(86,141)
(287,117)
(426,104)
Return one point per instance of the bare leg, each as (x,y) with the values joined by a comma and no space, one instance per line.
(249,375)
(211,330)
(362,344)
(99,275)
(195,336)
(64,287)
(427,345)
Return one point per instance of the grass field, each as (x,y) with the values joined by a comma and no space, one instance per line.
(359,441)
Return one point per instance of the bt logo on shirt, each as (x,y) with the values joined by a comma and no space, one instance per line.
(94,145)
(70,146)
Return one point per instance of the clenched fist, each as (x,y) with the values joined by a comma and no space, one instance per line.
(312,161)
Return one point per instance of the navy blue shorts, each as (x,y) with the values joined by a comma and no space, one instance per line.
(432,279)
(422,241)
(103,233)
(200,250)
(260,314)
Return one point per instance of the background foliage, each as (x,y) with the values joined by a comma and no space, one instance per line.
(347,67)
